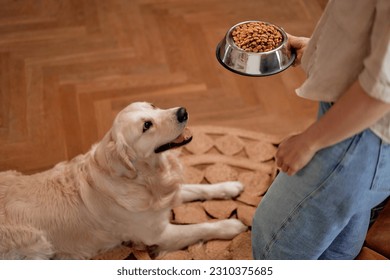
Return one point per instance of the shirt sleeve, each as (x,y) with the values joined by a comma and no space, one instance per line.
(375,76)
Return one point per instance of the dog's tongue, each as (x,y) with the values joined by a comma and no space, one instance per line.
(183,137)
(181,140)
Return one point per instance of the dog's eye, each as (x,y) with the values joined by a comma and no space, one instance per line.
(147,125)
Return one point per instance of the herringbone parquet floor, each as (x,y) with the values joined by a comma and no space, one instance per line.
(67,68)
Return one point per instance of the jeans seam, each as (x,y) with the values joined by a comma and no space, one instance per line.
(293,214)
(376,182)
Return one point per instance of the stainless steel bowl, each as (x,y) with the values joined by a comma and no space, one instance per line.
(258,64)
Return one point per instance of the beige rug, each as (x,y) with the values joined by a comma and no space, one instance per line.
(219,154)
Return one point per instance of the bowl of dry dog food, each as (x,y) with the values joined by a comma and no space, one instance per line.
(255,48)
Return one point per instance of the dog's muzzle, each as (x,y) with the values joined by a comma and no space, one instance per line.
(184,138)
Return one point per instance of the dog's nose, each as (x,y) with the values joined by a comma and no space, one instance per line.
(182,115)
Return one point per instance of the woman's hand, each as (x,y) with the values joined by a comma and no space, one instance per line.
(298,44)
(294,153)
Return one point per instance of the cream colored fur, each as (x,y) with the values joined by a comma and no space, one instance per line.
(120,191)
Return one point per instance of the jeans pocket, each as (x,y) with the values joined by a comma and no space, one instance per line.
(329,163)
(381,180)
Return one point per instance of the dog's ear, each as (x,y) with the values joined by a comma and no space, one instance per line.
(122,153)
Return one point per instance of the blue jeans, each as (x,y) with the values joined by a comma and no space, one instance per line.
(323,211)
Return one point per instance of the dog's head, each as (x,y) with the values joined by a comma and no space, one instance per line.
(141,130)
(134,149)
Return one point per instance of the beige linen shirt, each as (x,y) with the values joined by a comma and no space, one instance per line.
(351,41)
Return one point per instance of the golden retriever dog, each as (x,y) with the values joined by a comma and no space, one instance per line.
(122,190)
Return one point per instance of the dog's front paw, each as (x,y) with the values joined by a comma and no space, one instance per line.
(232,227)
(229,189)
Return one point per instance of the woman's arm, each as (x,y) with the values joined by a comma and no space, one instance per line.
(352,113)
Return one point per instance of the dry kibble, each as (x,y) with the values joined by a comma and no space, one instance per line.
(257,37)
